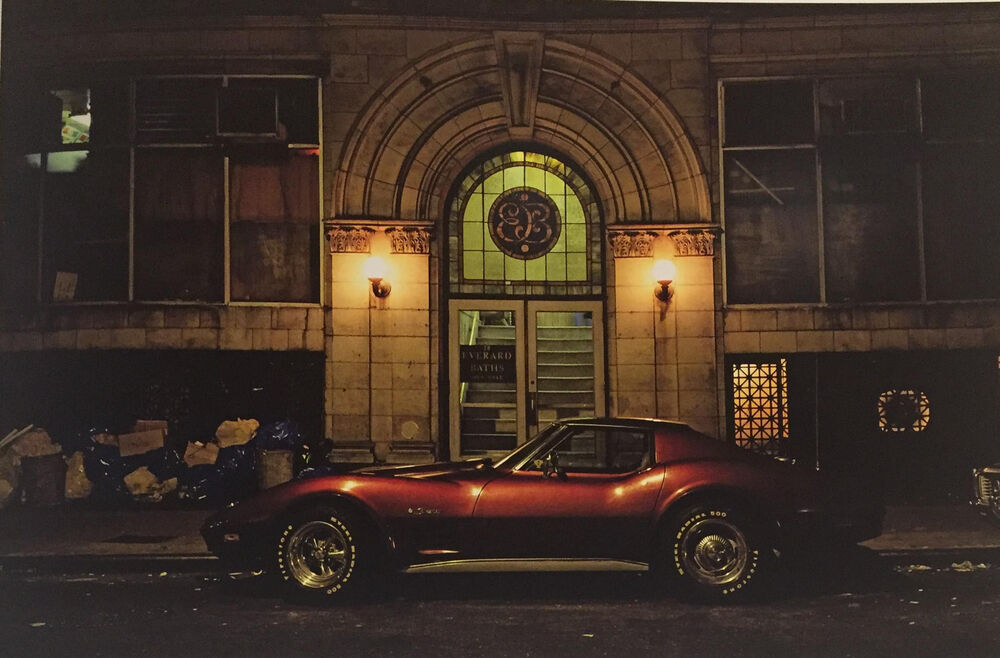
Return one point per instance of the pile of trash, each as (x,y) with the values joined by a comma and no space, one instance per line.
(142,464)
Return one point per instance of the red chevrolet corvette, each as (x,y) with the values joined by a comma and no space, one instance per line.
(585,493)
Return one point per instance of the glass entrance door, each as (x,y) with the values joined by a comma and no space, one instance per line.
(515,366)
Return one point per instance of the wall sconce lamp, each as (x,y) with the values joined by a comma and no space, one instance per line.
(664,272)
(375,269)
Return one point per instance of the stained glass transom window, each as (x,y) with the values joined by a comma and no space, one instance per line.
(760,406)
(524,223)
(903,411)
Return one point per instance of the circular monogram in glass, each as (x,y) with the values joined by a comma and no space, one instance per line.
(524,223)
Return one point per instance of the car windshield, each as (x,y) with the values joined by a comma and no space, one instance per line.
(512,459)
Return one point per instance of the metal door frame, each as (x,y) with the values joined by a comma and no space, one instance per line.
(525,352)
(532,307)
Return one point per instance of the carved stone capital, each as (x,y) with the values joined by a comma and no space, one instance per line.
(636,241)
(632,244)
(693,242)
(350,239)
(409,240)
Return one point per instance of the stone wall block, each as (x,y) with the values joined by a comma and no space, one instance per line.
(204,339)
(64,339)
(828,318)
(348,68)
(146,318)
(797,319)
(778,342)
(766,42)
(695,350)
(290,318)
(314,340)
(235,338)
(814,341)
(164,338)
(759,320)
(852,341)
(182,318)
(743,341)
(635,351)
(695,323)
(634,325)
(128,338)
(906,318)
(351,401)
(928,339)
(725,42)
(890,339)
(636,377)
(696,377)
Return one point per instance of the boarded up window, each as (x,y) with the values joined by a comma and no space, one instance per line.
(771,226)
(274,206)
(178,224)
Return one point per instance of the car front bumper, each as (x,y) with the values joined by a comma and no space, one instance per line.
(240,547)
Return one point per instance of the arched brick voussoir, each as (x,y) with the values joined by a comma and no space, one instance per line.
(391,105)
(424,127)
(428,115)
(664,129)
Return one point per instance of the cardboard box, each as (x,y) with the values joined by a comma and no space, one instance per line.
(144,425)
(201,453)
(138,443)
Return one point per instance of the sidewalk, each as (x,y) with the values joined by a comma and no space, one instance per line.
(117,538)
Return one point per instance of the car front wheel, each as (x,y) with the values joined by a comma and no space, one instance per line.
(714,552)
(318,553)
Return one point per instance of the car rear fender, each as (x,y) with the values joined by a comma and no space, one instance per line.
(698,494)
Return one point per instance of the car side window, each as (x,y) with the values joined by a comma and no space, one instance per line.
(600,450)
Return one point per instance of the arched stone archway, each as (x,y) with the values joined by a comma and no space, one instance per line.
(431,121)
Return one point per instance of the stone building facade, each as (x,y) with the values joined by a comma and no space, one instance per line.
(835,282)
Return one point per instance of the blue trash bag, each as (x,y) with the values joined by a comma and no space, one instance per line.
(106,469)
(201,482)
(279,435)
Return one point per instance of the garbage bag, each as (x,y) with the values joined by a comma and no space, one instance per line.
(77,483)
(236,432)
(280,435)
(202,482)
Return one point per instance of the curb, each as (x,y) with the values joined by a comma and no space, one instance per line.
(942,557)
(135,563)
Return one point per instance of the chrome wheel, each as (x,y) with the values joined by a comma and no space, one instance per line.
(318,554)
(714,550)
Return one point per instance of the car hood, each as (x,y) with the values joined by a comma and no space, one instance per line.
(425,470)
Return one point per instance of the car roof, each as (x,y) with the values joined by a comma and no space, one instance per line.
(626,421)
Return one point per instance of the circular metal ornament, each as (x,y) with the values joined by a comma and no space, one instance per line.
(524,223)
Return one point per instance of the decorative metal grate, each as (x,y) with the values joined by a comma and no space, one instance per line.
(903,411)
(760,406)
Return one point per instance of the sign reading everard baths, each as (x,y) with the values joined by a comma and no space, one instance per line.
(487,363)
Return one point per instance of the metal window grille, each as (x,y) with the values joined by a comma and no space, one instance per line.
(760,406)
(903,411)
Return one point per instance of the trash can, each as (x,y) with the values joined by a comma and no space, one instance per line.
(43,480)
(273,467)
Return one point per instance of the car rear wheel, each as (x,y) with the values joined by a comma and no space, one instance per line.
(318,553)
(714,552)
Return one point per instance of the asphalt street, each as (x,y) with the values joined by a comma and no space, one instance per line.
(861,606)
